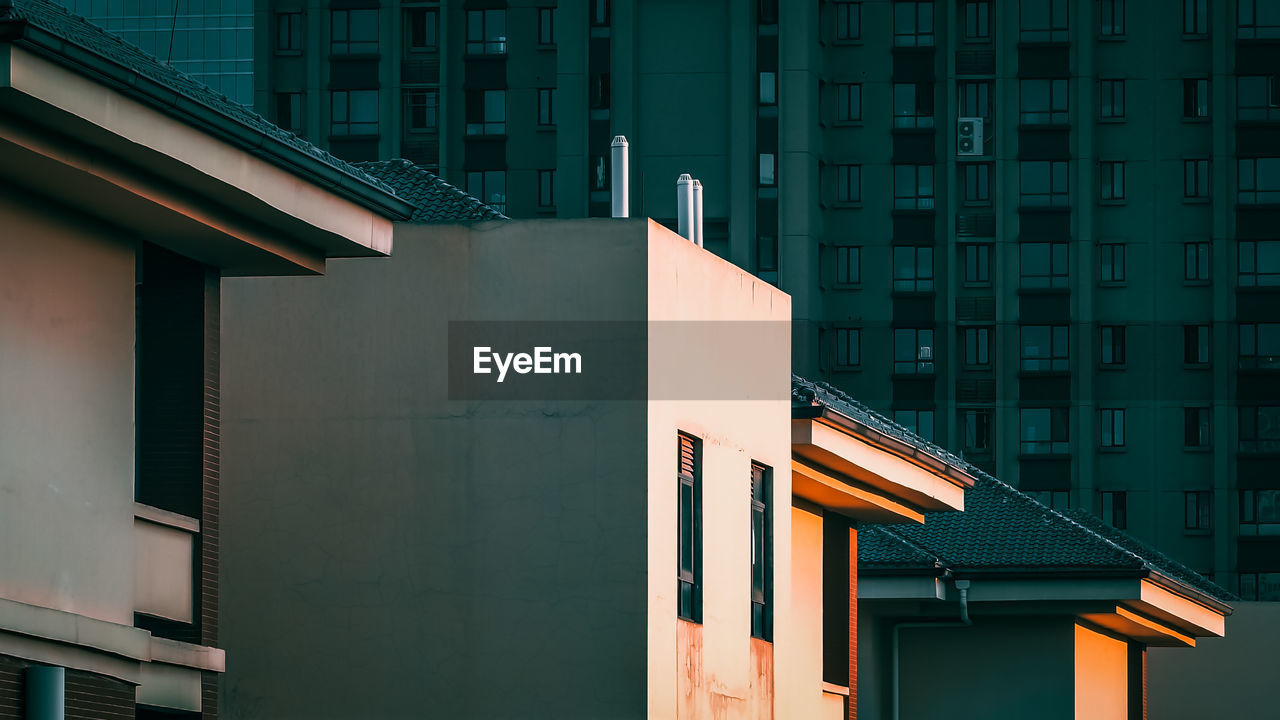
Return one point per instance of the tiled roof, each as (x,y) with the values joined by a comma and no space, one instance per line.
(437,201)
(75,36)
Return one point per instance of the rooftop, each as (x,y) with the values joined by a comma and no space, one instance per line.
(435,200)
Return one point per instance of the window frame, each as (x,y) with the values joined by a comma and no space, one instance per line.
(920,114)
(368,128)
(1115,504)
(848,184)
(1197,345)
(481,39)
(921,266)
(917,365)
(761,551)
(1196,98)
(923,196)
(547,27)
(430,109)
(350,45)
(478,101)
(913,36)
(848,339)
(848,269)
(980,429)
(546,189)
(1059,440)
(1111,263)
(1195,18)
(1056,93)
(1268,111)
(290,32)
(848,21)
(1058,276)
(1056,192)
(980,252)
(1197,511)
(1111,428)
(689,530)
(980,21)
(1254,193)
(1251,29)
(1256,275)
(1058,357)
(976,345)
(1057,30)
(1250,348)
(1197,178)
(430,23)
(1112,349)
(1111,99)
(1115,28)
(1197,427)
(848,102)
(1196,258)
(1111,177)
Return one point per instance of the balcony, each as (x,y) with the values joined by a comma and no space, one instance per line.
(164,552)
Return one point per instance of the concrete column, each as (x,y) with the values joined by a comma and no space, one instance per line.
(46,692)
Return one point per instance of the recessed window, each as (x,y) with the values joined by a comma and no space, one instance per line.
(1044,348)
(1195,183)
(848,265)
(1044,183)
(767,12)
(1196,344)
(1111,181)
(761,552)
(1111,427)
(848,102)
(1260,586)
(1260,512)
(1195,98)
(1111,99)
(355,112)
(1113,506)
(973,98)
(1199,510)
(689,531)
(1259,263)
(1043,21)
(913,105)
(1258,98)
(768,170)
(848,348)
(487,112)
(913,187)
(546,188)
(976,178)
(768,88)
(848,20)
(912,351)
(422,26)
(1259,181)
(546,107)
(1196,264)
(1195,17)
(1057,499)
(919,422)
(490,186)
(977,20)
(355,32)
(913,268)
(601,94)
(1111,261)
(1112,344)
(913,24)
(600,12)
(423,109)
(289,31)
(1259,346)
(1196,426)
(1043,265)
(289,111)
(1043,101)
(1044,431)
(486,32)
(1111,18)
(848,183)
(1257,19)
(977,347)
(546,26)
(978,426)
(977,264)
(1260,429)
(767,256)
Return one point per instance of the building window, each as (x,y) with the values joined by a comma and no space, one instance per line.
(546,107)
(1260,586)
(1043,102)
(1111,99)
(1111,181)
(546,188)
(1259,263)
(546,26)
(486,32)
(355,32)
(1259,346)
(1195,98)
(487,112)
(761,555)
(912,269)
(848,183)
(289,111)
(1057,499)
(913,187)
(1111,427)
(689,534)
(1260,512)
(977,347)
(768,88)
(977,184)
(601,95)
(355,112)
(848,348)
(1043,21)
(1044,183)
(1260,429)
(1195,17)
(1045,348)
(766,255)
(1259,181)
(977,20)
(1113,507)
(977,431)
(1196,425)
(490,186)
(1199,510)
(1111,344)
(1195,344)
(767,12)
(973,98)
(1258,98)
(1196,266)
(1111,18)
(977,264)
(1043,265)
(423,108)
(913,105)
(600,12)
(1257,19)
(289,31)
(423,28)
(1195,183)
(848,102)
(919,422)
(1112,261)
(848,265)
(912,351)
(848,20)
(768,170)
(913,24)
(1044,431)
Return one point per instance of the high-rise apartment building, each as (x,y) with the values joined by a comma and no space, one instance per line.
(1042,233)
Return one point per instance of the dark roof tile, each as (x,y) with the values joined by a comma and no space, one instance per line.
(437,201)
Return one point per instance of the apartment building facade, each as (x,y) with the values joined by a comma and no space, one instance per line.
(1039,233)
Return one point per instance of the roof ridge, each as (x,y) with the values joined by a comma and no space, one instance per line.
(436,199)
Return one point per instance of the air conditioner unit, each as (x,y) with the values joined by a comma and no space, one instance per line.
(969,136)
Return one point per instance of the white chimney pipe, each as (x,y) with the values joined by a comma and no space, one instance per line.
(621,174)
(684,205)
(697,212)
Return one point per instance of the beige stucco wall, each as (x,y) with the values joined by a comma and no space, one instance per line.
(66,433)
(804,697)
(707,672)
(1102,676)
(163,585)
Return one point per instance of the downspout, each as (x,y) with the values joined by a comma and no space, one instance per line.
(962,586)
